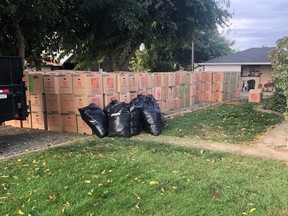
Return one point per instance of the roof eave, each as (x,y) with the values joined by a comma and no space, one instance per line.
(238,63)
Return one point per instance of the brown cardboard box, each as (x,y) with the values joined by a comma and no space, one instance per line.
(67,103)
(150,91)
(186,101)
(255,96)
(163,105)
(84,100)
(133,82)
(218,77)
(237,93)
(69,123)
(109,83)
(227,77)
(171,79)
(142,81)
(207,77)
(171,103)
(192,90)
(82,127)
(122,82)
(198,86)
(36,82)
(164,79)
(217,86)
(124,97)
(206,96)
(206,86)
(142,92)
(51,83)
(180,102)
(66,83)
(150,81)
(157,79)
(88,83)
(198,96)
(28,122)
(38,102)
(177,78)
(164,93)
(109,97)
(13,123)
(171,92)
(39,120)
(197,76)
(53,103)
(26,78)
(217,96)
(157,93)
(133,95)
(192,101)
(54,122)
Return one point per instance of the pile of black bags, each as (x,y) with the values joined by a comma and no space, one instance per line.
(125,120)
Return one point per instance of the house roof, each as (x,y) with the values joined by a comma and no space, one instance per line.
(252,56)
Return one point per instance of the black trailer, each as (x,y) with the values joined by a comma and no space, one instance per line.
(12,90)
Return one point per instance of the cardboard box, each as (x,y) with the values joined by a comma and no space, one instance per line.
(142,92)
(171,103)
(186,101)
(198,96)
(13,123)
(54,122)
(185,90)
(51,83)
(177,78)
(171,92)
(142,81)
(25,78)
(109,97)
(207,77)
(53,103)
(38,102)
(206,86)
(237,93)
(150,91)
(184,78)
(171,79)
(164,79)
(218,77)
(181,102)
(122,82)
(67,103)
(82,127)
(66,83)
(227,77)
(150,81)
(28,122)
(124,97)
(69,123)
(39,120)
(197,76)
(198,86)
(206,96)
(192,90)
(133,82)
(217,96)
(88,83)
(163,105)
(255,96)
(157,93)
(84,100)
(217,86)
(176,103)
(192,101)
(133,95)
(157,79)
(36,82)
(164,93)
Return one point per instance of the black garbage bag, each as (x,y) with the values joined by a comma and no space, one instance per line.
(152,118)
(95,118)
(139,101)
(119,120)
(135,120)
(108,108)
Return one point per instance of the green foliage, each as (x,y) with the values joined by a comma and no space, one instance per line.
(139,63)
(277,102)
(279,59)
(125,177)
(234,123)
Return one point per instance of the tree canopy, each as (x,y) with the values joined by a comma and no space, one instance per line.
(111,31)
(279,59)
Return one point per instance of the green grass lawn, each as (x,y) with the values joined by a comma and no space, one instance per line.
(234,123)
(122,177)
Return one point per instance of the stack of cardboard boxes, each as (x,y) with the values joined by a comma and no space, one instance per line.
(55,97)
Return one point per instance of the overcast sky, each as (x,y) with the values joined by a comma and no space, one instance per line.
(257,23)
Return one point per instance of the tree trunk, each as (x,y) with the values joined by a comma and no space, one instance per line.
(125,64)
(20,41)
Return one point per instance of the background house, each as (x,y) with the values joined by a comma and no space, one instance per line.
(253,64)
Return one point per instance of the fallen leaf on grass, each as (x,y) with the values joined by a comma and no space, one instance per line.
(153,182)
(87,181)
(137,196)
(20,212)
(252,210)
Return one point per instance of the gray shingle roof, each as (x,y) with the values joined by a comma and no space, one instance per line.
(249,56)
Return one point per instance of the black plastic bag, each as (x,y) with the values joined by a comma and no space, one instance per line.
(108,108)
(152,118)
(95,118)
(135,122)
(139,101)
(119,120)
